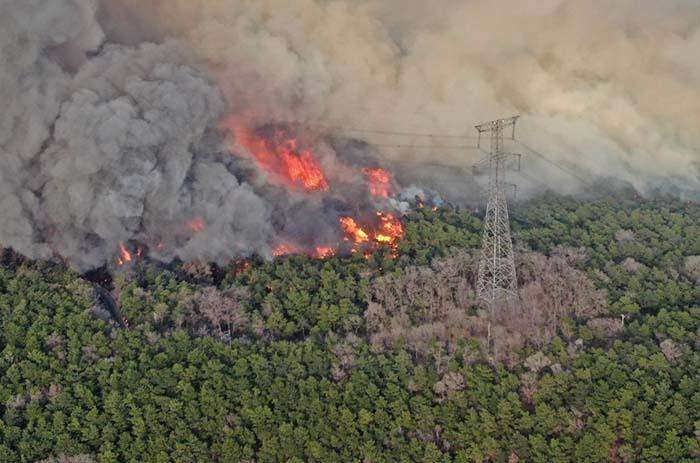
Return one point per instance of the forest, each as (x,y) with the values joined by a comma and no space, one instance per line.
(385,358)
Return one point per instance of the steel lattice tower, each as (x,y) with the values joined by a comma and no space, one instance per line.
(497,282)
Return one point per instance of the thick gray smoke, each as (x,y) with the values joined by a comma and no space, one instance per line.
(110,127)
(113,153)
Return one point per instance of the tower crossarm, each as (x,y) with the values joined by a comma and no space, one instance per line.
(505,122)
(510,160)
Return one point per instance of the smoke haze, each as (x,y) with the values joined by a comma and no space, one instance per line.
(111,129)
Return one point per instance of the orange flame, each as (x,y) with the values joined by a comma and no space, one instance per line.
(351,227)
(280,155)
(391,228)
(388,231)
(303,169)
(379,181)
(323,252)
(284,249)
(125,256)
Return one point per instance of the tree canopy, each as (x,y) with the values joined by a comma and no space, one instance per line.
(379,359)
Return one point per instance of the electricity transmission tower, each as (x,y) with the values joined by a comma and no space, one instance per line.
(497,282)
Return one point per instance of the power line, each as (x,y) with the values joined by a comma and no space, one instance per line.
(444,147)
(389,132)
(557,165)
(532,179)
(381,107)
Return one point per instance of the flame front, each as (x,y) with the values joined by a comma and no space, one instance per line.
(391,229)
(388,231)
(285,249)
(324,252)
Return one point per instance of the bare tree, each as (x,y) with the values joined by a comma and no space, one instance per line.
(224,311)
(426,304)
(235,316)
(211,305)
(198,272)
(692,268)
(671,350)
(631,265)
(622,235)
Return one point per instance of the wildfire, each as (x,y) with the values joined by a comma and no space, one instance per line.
(357,234)
(284,154)
(391,229)
(380,181)
(388,231)
(279,153)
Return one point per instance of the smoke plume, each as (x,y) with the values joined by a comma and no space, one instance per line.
(123,119)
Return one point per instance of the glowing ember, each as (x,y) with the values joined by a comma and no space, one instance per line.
(379,182)
(241,266)
(196,225)
(324,252)
(320,252)
(284,249)
(279,154)
(357,234)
